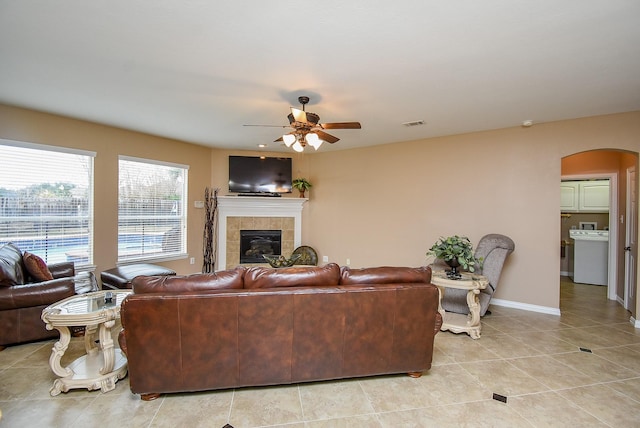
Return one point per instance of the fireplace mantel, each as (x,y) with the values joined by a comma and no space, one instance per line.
(255,206)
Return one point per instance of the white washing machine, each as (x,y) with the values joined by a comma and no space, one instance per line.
(590,256)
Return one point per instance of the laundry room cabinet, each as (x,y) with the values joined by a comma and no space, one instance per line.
(569,194)
(590,196)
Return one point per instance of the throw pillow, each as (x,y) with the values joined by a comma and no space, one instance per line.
(36,267)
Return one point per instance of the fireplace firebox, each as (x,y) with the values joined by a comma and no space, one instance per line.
(255,243)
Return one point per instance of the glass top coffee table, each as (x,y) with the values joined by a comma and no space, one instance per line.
(104,364)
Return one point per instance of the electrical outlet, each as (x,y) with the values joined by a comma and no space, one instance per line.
(348,262)
(192,260)
(325,259)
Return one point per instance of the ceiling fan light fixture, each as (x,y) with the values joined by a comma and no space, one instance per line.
(298,147)
(307,131)
(313,139)
(313,118)
(289,139)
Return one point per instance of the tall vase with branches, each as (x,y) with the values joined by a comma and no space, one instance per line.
(210,230)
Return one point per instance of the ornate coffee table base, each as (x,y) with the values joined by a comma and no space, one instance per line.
(456,324)
(460,323)
(89,371)
(104,364)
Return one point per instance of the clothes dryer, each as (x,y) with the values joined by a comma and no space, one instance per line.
(590,256)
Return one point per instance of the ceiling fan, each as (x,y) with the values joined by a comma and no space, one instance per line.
(307,130)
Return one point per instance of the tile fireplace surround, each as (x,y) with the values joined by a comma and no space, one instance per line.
(237,213)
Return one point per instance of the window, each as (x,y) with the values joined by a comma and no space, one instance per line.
(152,214)
(46,201)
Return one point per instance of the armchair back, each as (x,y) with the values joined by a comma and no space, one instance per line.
(12,271)
(493,249)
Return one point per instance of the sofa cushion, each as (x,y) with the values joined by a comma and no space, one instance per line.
(180,284)
(11,270)
(36,267)
(296,276)
(385,275)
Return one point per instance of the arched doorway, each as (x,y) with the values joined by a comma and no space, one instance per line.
(622,168)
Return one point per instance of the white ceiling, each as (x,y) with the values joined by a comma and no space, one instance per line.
(198,70)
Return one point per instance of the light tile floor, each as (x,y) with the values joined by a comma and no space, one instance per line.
(533,359)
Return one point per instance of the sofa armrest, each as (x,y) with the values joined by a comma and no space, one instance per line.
(36,294)
(62,270)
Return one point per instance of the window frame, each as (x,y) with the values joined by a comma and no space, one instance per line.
(82,263)
(157,256)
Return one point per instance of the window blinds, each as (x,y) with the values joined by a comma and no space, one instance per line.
(152,210)
(46,201)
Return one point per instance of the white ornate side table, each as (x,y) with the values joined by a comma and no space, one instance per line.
(104,364)
(460,323)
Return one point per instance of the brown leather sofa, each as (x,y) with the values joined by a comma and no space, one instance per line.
(263,326)
(23,297)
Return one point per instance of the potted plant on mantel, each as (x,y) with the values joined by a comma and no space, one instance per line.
(456,251)
(302,185)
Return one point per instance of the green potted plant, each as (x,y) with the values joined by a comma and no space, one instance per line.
(456,251)
(302,185)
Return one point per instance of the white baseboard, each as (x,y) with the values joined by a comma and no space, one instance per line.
(634,322)
(526,307)
(562,273)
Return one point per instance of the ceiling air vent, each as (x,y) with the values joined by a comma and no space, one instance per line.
(414,123)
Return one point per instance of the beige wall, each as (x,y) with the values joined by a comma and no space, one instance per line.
(108,143)
(388,204)
(385,204)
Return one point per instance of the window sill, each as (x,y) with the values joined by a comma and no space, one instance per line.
(152,259)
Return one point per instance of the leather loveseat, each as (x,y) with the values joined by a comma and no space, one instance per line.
(263,326)
(23,295)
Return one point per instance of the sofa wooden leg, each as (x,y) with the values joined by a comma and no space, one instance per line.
(2,348)
(415,374)
(149,397)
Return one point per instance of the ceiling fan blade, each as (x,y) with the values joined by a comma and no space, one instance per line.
(271,126)
(341,125)
(299,115)
(326,137)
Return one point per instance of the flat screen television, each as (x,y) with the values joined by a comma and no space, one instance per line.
(257,174)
